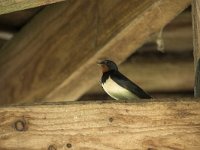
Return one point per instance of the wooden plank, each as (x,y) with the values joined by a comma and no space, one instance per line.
(8,6)
(147,125)
(60,53)
(147,70)
(196,44)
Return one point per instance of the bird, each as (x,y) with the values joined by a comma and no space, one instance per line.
(118,86)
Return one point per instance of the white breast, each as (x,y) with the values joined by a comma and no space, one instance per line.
(117,92)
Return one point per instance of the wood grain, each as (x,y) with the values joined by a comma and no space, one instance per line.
(150,20)
(63,44)
(196,44)
(177,34)
(8,6)
(155,125)
(54,58)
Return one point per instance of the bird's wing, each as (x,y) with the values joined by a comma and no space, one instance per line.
(123,81)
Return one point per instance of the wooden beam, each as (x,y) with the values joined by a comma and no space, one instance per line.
(196,44)
(8,6)
(145,125)
(54,58)
(175,73)
(121,46)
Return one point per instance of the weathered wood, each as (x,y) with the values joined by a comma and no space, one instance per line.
(196,43)
(121,46)
(8,6)
(55,57)
(177,34)
(162,125)
(157,72)
(54,62)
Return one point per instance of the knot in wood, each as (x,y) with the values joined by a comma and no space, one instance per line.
(111,119)
(69,145)
(52,147)
(20,125)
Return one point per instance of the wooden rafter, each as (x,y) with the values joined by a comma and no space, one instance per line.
(8,6)
(148,125)
(54,56)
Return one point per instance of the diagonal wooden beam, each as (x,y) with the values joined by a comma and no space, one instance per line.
(8,6)
(161,124)
(148,21)
(54,56)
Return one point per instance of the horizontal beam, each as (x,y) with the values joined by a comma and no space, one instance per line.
(146,125)
(8,6)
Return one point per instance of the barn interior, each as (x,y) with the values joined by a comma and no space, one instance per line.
(50,95)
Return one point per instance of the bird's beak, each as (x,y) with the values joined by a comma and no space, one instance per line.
(99,63)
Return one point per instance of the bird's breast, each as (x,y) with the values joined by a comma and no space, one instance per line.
(116,91)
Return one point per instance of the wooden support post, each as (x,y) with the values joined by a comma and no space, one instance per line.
(8,6)
(196,43)
(54,57)
(155,125)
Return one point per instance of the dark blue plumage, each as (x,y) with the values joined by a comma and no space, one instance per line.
(117,85)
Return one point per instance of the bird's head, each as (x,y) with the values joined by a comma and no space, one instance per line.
(107,65)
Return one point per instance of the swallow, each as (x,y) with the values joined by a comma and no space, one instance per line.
(117,85)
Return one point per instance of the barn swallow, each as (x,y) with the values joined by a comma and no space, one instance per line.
(117,85)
